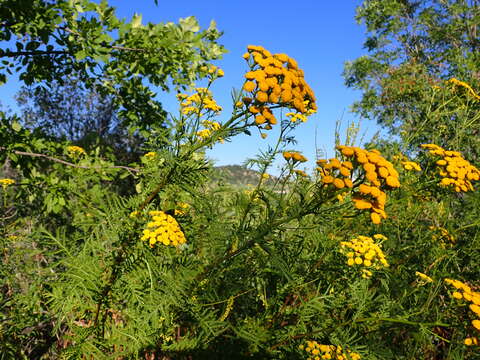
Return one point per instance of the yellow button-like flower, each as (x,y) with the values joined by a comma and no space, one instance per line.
(6,183)
(75,150)
(249,86)
(457,295)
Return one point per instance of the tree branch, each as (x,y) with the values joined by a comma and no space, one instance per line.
(24,153)
(9,53)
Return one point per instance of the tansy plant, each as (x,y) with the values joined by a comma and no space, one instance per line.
(163,258)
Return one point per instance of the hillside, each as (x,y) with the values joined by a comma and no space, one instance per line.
(236,175)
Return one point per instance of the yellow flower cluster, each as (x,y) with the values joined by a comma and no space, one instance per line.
(319,351)
(215,71)
(210,126)
(300,173)
(196,103)
(296,116)
(6,183)
(336,172)
(150,155)
(276,80)
(466,86)
(466,293)
(76,150)
(163,229)
(182,208)
(363,250)
(411,165)
(424,277)
(378,175)
(456,172)
(294,156)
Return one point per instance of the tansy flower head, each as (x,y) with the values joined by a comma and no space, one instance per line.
(455,172)
(364,252)
(466,294)
(275,80)
(75,150)
(363,168)
(181,208)
(210,127)
(411,165)
(6,183)
(150,155)
(163,228)
(200,103)
(377,175)
(424,277)
(467,87)
(321,351)
(294,156)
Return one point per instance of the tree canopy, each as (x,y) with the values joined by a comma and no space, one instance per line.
(414,48)
(48,40)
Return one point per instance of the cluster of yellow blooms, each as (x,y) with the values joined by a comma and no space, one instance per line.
(163,229)
(318,351)
(465,86)
(456,172)
(276,80)
(150,155)
(300,173)
(424,277)
(6,182)
(411,165)
(196,103)
(181,208)
(296,116)
(76,150)
(210,126)
(473,297)
(214,71)
(363,250)
(294,156)
(379,174)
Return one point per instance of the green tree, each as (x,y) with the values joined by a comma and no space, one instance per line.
(69,111)
(414,47)
(45,41)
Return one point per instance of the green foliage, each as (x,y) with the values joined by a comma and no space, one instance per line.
(414,47)
(52,40)
(85,274)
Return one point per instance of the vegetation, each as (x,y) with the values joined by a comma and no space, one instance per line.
(421,70)
(374,255)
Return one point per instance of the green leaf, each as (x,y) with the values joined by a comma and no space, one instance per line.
(16,126)
(213,25)
(80,55)
(136,21)
(189,24)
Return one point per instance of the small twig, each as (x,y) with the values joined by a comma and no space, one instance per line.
(9,53)
(117,47)
(24,153)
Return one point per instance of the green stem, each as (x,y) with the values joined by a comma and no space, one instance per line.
(397,321)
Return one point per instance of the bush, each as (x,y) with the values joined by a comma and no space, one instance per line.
(348,262)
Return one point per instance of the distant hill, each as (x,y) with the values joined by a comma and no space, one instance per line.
(236,175)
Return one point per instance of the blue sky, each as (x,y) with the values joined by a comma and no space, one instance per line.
(321,35)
